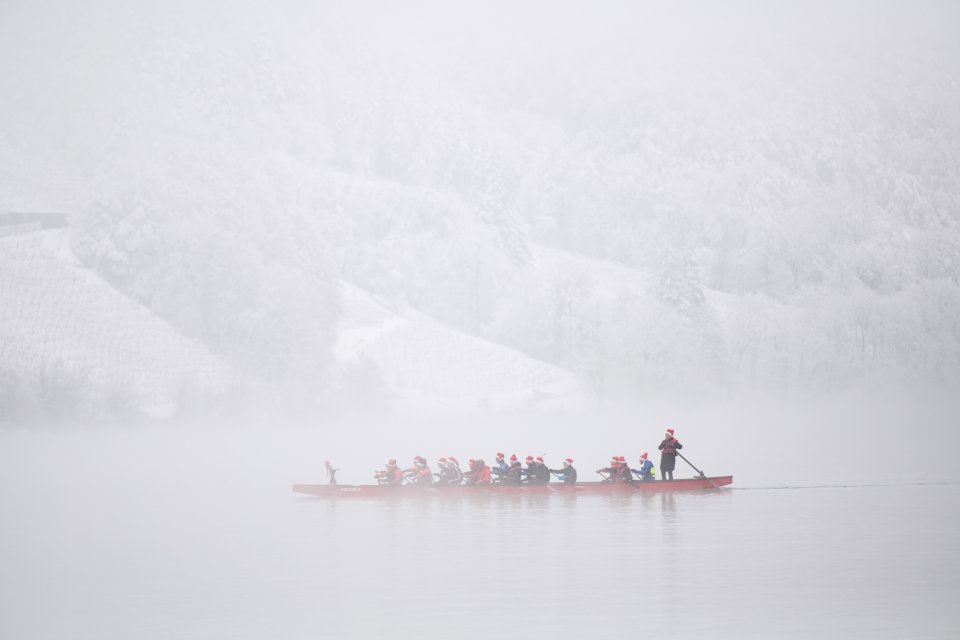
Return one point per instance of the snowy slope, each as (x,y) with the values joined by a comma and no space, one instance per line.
(423,361)
(606,278)
(56,316)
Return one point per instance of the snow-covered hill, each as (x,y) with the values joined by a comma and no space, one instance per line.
(64,330)
(423,362)
(61,321)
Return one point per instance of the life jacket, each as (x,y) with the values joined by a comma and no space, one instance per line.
(668,448)
(422,475)
(483,475)
(647,471)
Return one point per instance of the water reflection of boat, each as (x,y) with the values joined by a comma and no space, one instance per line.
(384,491)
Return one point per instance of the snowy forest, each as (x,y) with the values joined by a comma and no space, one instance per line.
(694,198)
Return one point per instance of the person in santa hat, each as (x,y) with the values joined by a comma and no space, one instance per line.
(419,473)
(455,474)
(668,455)
(482,473)
(450,472)
(617,471)
(391,475)
(514,473)
(530,472)
(611,470)
(646,472)
(499,468)
(442,471)
(542,471)
(536,471)
(567,475)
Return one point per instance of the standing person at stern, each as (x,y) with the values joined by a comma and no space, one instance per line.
(668,455)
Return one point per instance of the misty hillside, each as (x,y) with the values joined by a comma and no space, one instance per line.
(686,197)
(72,345)
(413,360)
(72,342)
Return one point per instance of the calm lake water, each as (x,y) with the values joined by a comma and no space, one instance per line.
(157,538)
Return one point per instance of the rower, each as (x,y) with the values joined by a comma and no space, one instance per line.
(568,474)
(482,475)
(456,466)
(514,474)
(618,471)
(529,474)
(419,473)
(536,472)
(611,471)
(470,475)
(532,474)
(391,475)
(500,467)
(453,475)
(541,471)
(646,472)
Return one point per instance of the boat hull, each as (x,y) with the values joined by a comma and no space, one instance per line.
(580,488)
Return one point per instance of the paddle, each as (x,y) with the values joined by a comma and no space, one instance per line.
(702,474)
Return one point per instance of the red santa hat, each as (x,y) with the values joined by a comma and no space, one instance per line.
(670,431)
(539,458)
(643,456)
(569,460)
(513,458)
(500,455)
(453,460)
(392,462)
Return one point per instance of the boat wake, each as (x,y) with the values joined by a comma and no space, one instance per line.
(848,485)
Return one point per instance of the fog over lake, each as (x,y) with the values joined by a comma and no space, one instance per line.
(239,240)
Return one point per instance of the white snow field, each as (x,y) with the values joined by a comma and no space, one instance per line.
(58,318)
(422,361)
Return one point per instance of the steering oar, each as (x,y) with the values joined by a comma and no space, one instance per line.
(702,474)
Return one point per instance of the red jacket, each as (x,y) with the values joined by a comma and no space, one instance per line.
(421,475)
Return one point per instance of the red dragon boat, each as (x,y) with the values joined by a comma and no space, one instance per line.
(700,483)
